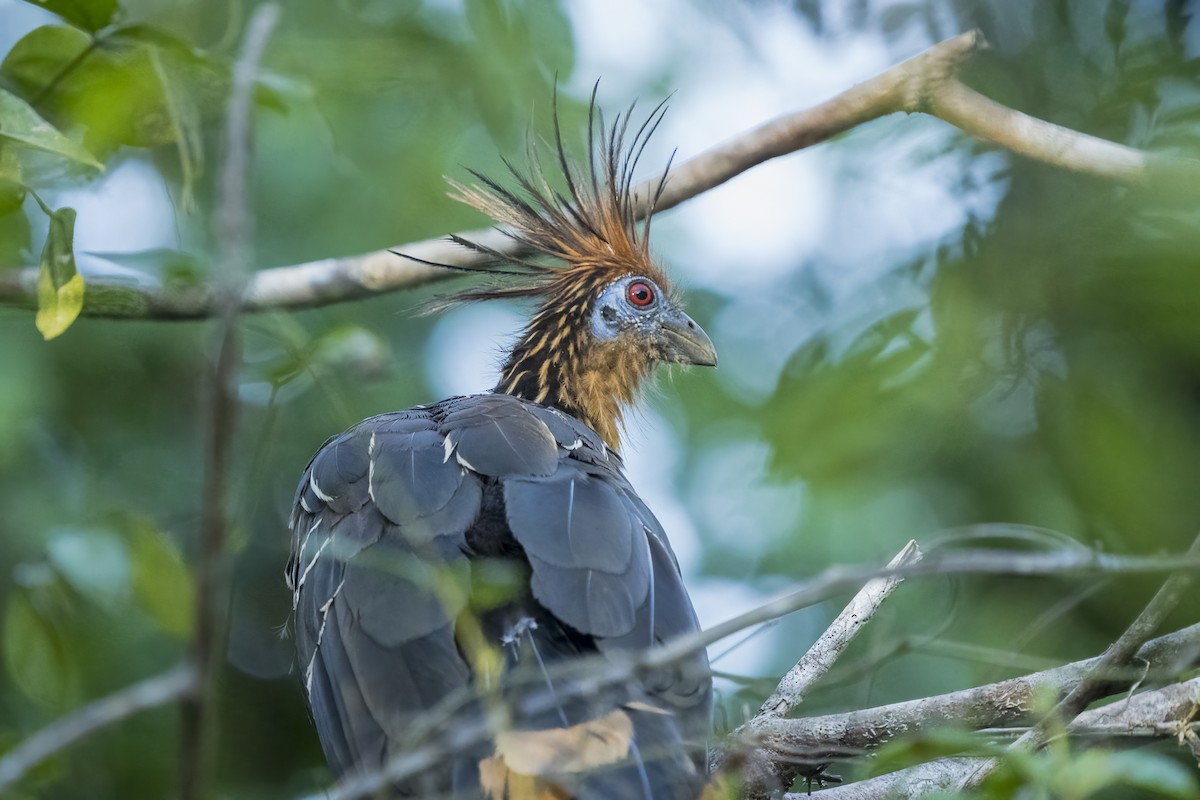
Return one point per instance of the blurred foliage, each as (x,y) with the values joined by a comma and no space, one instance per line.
(1039,365)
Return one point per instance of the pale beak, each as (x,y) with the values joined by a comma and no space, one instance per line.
(685,342)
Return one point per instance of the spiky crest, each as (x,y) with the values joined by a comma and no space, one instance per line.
(592,237)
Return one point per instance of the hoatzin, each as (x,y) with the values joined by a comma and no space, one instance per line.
(448,558)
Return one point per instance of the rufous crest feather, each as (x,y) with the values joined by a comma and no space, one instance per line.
(572,243)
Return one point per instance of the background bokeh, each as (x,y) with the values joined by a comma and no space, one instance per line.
(920,336)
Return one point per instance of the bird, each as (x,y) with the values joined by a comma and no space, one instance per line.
(450,562)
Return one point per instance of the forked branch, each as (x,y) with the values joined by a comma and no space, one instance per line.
(926,83)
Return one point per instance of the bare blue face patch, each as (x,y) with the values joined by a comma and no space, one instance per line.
(615,314)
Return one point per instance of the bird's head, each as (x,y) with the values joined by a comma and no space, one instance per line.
(638,313)
(606,312)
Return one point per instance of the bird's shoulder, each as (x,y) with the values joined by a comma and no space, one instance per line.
(419,454)
(435,476)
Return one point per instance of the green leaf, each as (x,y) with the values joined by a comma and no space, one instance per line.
(12,189)
(43,57)
(176,268)
(94,562)
(354,347)
(12,195)
(19,123)
(927,746)
(34,653)
(14,235)
(137,85)
(91,15)
(162,585)
(188,87)
(10,165)
(1096,770)
(184,120)
(280,92)
(60,286)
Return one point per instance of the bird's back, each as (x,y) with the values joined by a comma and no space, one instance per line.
(447,560)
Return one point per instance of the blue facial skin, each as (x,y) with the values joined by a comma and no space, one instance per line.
(668,333)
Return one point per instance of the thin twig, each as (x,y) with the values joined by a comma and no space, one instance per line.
(234,233)
(159,690)
(925,83)
(1080,560)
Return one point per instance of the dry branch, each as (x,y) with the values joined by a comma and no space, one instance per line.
(1094,686)
(1155,714)
(587,676)
(837,637)
(1003,704)
(1165,713)
(762,774)
(925,83)
(159,690)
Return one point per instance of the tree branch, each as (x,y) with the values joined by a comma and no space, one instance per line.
(234,233)
(159,690)
(841,632)
(1118,655)
(925,83)
(1003,704)
(761,774)
(1096,681)
(1153,714)
(588,676)
(1168,712)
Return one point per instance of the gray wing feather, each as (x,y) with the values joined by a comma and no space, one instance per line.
(494,436)
(398,596)
(384,508)
(410,477)
(341,467)
(378,526)
(571,520)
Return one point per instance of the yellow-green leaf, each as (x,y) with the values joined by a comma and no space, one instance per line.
(20,124)
(162,585)
(60,286)
(34,653)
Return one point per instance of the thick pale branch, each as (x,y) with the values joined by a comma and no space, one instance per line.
(986,119)
(924,83)
(160,690)
(900,88)
(1004,704)
(1165,713)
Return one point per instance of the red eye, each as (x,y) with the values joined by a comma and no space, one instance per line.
(640,294)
